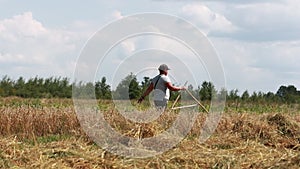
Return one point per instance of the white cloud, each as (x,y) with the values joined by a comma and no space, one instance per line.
(266,21)
(148,51)
(20,26)
(8,58)
(259,48)
(117,15)
(207,19)
(128,46)
(25,42)
(259,66)
(262,53)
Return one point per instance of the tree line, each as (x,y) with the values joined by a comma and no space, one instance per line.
(130,88)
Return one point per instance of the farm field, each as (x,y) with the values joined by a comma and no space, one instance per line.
(45,133)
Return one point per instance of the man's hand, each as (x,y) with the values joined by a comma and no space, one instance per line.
(183,88)
(141,99)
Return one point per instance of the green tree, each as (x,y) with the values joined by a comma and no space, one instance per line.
(233,94)
(260,96)
(20,87)
(6,86)
(134,89)
(84,90)
(145,83)
(254,97)
(128,88)
(245,96)
(270,97)
(102,89)
(66,88)
(288,94)
(207,91)
(222,94)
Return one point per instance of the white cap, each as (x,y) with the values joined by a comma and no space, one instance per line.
(163,67)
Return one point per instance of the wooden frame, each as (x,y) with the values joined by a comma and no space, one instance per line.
(181,107)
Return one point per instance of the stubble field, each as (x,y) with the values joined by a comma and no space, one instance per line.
(45,133)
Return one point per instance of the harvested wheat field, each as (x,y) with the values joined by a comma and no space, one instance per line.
(46,134)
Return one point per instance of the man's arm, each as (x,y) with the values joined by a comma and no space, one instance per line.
(147,92)
(174,88)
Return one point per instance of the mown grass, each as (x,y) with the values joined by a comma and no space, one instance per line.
(47,134)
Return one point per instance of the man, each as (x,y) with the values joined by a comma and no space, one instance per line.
(161,84)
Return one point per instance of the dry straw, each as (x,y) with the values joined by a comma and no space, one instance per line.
(48,135)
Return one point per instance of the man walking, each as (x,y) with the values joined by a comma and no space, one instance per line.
(161,84)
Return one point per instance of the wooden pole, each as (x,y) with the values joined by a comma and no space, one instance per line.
(196,100)
(193,105)
(177,98)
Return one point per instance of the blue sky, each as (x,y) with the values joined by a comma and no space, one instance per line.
(258,42)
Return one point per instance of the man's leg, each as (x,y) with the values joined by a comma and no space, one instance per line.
(161,104)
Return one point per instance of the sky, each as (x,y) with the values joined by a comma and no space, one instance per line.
(257,42)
